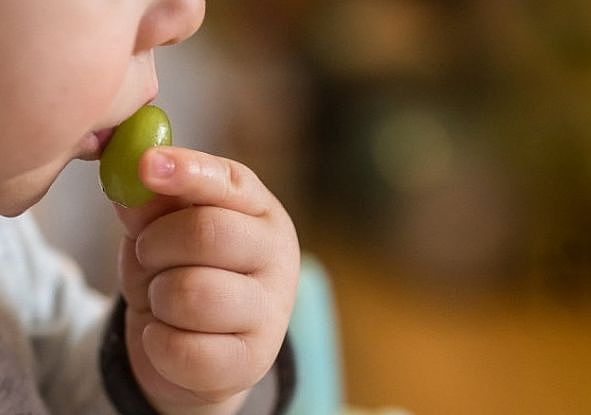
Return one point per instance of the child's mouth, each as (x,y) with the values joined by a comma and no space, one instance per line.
(94,144)
(103,137)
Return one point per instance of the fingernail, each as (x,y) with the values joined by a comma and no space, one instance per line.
(161,166)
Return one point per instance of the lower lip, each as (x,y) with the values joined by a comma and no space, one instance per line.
(103,137)
(95,143)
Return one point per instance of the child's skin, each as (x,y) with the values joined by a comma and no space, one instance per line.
(209,271)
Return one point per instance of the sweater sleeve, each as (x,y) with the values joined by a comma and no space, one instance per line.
(60,317)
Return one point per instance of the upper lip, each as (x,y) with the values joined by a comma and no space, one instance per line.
(152,96)
(126,116)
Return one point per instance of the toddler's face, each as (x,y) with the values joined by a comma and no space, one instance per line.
(69,69)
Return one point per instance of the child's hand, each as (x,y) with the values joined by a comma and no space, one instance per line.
(209,273)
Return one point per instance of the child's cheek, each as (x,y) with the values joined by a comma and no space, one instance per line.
(52,105)
(61,67)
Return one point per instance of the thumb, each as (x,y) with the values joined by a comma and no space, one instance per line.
(135,219)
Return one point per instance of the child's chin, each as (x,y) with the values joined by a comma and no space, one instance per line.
(23,192)
(12,213)
(15,208)
(20,203)
(18,208)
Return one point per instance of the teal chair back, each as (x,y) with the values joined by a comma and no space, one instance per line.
(314,334)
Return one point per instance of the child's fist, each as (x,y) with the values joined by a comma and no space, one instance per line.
(209,272)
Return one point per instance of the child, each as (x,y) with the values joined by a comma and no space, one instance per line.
(208,270)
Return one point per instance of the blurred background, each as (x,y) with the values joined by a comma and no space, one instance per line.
(436,159)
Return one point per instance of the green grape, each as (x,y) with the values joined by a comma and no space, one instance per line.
(148,127)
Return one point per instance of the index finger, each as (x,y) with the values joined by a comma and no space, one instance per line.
(204,179)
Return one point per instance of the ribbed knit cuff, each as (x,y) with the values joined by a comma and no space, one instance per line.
(118,378)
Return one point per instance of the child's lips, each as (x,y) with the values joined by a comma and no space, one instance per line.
(95,142)
(103,137)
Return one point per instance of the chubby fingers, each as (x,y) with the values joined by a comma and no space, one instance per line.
(204,179)
(134,280)
(209,300)
(213,366)
(156,372)
(206,236)
(202,250)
